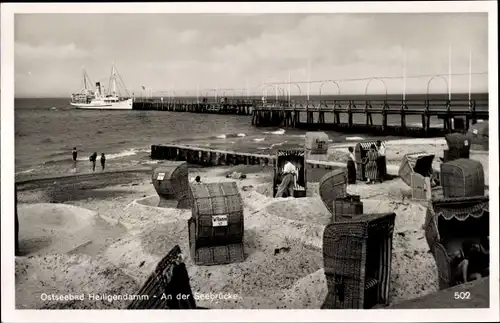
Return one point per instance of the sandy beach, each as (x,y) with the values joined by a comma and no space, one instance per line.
(103,233)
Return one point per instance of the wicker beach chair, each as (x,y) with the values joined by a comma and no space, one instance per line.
(333,185)
(346,208)
(449,222)
(168,287)
(360,152)
(316,143)
(479,134)
(416,171)
(462,178)
(282,156)
(217,224)
(172,184)
(357,261)
(458,146)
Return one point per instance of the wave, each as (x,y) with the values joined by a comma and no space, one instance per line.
(278,144)
(276,132)
(230,135)
(124,153)
(259,139)
(354,138)
(27,171)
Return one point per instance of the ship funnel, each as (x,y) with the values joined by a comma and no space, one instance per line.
(98,87)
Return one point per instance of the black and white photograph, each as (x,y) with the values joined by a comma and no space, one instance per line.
(250,156)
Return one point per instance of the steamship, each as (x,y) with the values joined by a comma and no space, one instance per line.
(89,98)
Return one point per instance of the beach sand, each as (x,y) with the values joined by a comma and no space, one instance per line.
(102,233)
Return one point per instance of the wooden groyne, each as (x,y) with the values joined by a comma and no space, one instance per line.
(456,115)
(211,157)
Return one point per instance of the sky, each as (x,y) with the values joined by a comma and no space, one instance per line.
(181,53)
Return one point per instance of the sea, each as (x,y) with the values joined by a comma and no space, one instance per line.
(46,130)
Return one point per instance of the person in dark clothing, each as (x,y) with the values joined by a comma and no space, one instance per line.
(371,169)
(381,161)
(93,159)
(473,262)
(103,161)
(75,155)
(351,167)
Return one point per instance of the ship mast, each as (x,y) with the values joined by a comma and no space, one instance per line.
(113,75)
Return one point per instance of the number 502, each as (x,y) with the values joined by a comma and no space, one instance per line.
(461,295)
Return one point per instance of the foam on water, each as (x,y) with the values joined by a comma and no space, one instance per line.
(241,135)
(123,153)
(221,136)
(276,132)
(259,139)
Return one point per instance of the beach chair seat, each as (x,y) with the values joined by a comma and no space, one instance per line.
(462,178)
(170,278)
(281,158)
(416,171)
(216,227)
(357,261)
(171,182)
(333,185)
(448,223)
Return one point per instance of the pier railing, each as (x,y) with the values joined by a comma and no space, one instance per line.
(457,114)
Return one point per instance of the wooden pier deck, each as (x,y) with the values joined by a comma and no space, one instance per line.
(344,115)
(456,115)
(236,106)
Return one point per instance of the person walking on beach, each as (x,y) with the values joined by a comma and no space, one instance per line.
(351,167)
(103,161)
(75,155)
(381,162)
(372,172)
(288,179)
(93,159)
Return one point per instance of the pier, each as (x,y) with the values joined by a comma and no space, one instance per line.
(225,106)
(456,115)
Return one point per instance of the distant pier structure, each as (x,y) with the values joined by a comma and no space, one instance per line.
(221,106)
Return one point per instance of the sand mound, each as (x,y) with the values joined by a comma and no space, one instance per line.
(139,253)
(309,209)
(259,279)
(307,293)
(56,228)
(69,274)
(144,211)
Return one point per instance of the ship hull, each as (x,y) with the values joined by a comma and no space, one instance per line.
(122,105)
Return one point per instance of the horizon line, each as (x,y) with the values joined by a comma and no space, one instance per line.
(269,95)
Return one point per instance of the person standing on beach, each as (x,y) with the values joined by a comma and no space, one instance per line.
(381,162)
(351,167)
(93,159)
(288,179)
(103,161)
(372,172)
(75,155)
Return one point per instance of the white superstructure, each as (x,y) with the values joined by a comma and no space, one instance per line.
(99,99)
